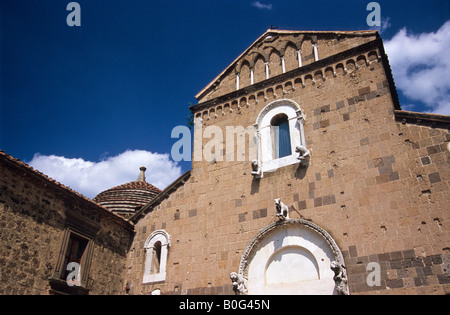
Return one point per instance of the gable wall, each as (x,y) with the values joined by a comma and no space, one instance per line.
(272,50)
(362,186)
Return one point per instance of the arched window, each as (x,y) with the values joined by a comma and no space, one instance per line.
(279,130)
(281,139)
(156,247)
(156,258)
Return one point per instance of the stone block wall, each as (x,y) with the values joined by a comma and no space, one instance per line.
(35,211)
(378,185)
(277,45)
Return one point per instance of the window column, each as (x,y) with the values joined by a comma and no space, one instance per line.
(316,52)
(299,56)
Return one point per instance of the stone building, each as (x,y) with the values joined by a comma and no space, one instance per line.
(44,226)
(307,178)
(312,121)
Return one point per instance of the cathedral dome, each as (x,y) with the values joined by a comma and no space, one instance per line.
(127,198)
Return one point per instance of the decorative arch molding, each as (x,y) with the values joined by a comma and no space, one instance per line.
(159,235)
(314,233)
(278,103)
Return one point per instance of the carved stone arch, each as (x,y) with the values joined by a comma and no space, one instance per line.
(299,248)
(245,73)
(340,68)
(291,56)
(268,50)
(158,239)
(275,62)
(212,113)
(274,104)
(372,55)
(270,94)
(288,42)
(351,65)
(260,68)
(279,90)
(241,63)
(159,235)
(242,102)
(318,75)
(252,99)
(329,72)
(298,83)
(361,61)
(260,96)
(288,86)
(260,53)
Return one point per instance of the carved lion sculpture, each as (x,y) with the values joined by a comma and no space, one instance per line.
(282,209)
(239,284)
(304,155)
(340,277)
(256,169)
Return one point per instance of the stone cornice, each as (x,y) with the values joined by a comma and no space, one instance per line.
(433,120)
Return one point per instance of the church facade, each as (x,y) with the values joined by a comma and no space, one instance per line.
(307,178)
(307,123)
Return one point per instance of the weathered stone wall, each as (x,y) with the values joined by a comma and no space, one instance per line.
(34,212)
(377,185)
(276,45)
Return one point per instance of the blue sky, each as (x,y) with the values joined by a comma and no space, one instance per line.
(88,105)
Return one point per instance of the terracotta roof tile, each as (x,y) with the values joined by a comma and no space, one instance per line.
(125,199)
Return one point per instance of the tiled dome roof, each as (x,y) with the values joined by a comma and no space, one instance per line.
(125,199)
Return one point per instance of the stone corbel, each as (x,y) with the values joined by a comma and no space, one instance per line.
(256,169)
(340,278)
(282,210)
(304,155)
(239,284)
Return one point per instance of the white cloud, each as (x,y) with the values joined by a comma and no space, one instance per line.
(262,6)
(421,66)
(385,23)
(91,178)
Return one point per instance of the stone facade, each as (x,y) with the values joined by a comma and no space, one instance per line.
(38,216)
(366,214)
(377,181)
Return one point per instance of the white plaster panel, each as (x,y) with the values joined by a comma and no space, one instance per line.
(292,261)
